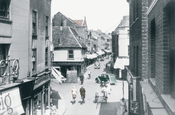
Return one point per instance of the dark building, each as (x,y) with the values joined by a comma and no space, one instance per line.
(152,56)
(138,51)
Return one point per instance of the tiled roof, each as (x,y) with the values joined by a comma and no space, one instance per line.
(78,38)
(65,37)
(81,22)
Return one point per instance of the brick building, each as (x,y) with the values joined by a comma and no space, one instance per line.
(138,53)
(153,54)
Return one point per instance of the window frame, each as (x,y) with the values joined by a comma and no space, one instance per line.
(69,54)
(34,22)
(5,8)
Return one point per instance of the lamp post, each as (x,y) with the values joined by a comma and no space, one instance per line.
(120,76)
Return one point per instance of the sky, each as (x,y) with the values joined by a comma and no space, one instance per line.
(104,15)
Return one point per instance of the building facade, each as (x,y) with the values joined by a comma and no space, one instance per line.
(155,63)
(120,45)
(70,44)
(25,55)
(138,53)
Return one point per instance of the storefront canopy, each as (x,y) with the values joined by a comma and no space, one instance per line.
(100,52)
(91,56)
(121,62)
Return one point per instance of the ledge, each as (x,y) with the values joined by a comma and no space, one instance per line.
(169,101)
(153,100)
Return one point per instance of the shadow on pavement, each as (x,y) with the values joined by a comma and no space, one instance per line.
(109,108)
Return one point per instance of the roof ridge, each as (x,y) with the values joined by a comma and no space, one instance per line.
(74,37)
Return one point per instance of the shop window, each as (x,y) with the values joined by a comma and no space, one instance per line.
(4,8)
(70,54)
(34,23)
(46,57)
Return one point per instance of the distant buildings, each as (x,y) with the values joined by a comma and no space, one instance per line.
(25,55)
(120,47)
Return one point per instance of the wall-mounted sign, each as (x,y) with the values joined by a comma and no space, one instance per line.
(10,102)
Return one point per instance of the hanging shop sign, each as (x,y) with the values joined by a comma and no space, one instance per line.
(10,102)
(135,107)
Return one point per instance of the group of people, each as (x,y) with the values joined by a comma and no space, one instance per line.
(52,110)
(82,93)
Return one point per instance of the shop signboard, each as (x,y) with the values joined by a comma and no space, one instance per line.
(135,107)
(10,102)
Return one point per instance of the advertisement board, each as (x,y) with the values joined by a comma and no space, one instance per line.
(10,102)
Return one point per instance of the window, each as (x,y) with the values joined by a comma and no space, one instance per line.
(34,57)
(4,8)
(46,57)
(34,23)
(70,54)
(153,48)
(47,23)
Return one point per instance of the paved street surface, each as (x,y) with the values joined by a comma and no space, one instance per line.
(112,107)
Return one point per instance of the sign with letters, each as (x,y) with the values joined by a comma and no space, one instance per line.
(10,102)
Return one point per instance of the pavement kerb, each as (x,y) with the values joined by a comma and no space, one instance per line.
(61,106)
(61,103)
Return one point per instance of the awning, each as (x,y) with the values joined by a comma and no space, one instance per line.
(11,102)
(100,52)
(57,74)
(91,56)
(121,62)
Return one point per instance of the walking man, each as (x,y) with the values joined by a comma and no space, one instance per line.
(82,78)
(123,106)
(82,93)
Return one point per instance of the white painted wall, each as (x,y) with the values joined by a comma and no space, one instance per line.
(62,55)
(123,42)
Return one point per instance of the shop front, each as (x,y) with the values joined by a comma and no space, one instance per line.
(71,70)
(41,93)
(10,101)
(133,93)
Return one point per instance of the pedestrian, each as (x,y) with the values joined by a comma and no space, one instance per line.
(38,110)
(82,78)
(47,111)
(53,109)
(108,88)
(104,91)
(123,106)
(74,93)
(89,73)
(82,93)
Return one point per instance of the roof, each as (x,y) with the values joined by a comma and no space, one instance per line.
(66,37)
(81,22)
(124,22)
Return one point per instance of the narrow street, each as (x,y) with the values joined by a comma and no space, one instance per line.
(89,107)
